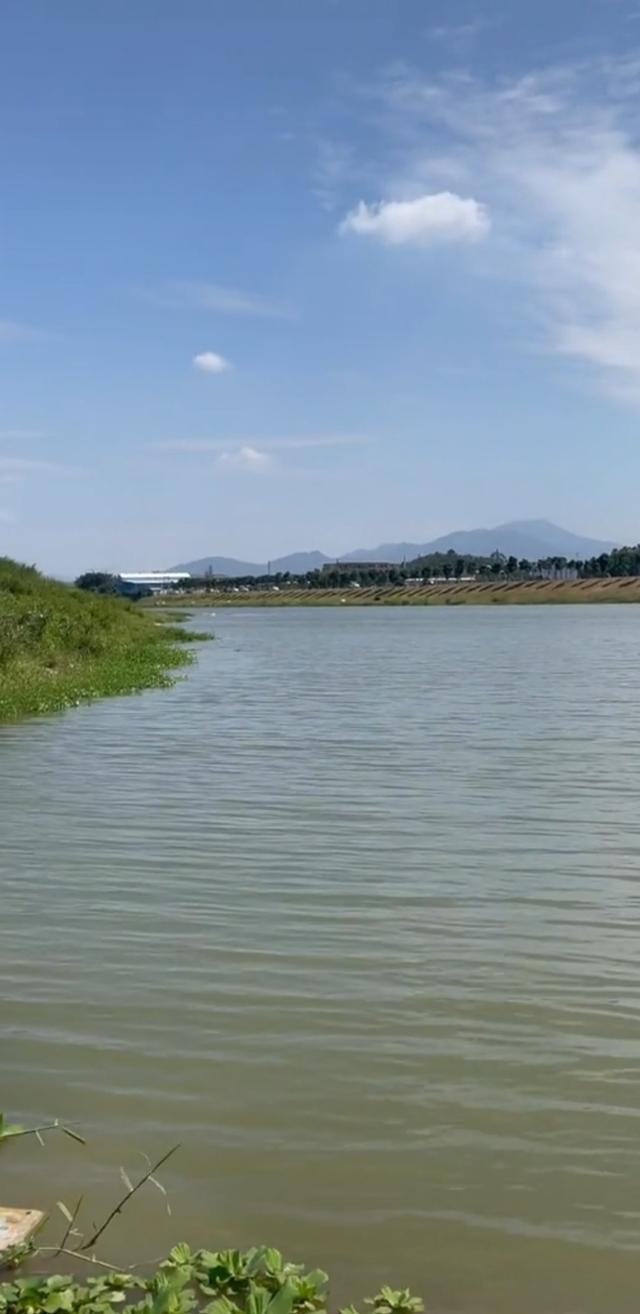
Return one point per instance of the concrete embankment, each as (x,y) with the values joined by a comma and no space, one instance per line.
(453,594)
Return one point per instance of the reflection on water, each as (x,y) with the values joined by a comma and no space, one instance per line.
(353,914)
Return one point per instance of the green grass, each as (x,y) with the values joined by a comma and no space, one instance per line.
(60,646)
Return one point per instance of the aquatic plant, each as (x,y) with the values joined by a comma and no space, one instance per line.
(257,1281)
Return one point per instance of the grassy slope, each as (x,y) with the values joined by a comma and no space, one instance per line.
(60,646)
(477,594)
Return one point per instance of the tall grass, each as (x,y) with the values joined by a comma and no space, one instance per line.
(60,646)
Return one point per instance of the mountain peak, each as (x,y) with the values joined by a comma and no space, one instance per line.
(532,539)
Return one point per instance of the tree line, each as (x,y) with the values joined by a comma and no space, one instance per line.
(450,565)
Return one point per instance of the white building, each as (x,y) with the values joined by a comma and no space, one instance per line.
(151,581)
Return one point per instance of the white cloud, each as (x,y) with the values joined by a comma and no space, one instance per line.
(320,440)
(196,445)
(246,458)
(7,517)
(459,35)
(431,218)
(21,435)
(557,156)
(217,297)
(209,362)
(334,165)
(12,331)
(16,467)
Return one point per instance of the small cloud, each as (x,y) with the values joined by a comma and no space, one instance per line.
(14,469)
(334,167)
(12,331)
(6,516)
(245,458)
(21,435)
(196,445)
(209,362)
(214,296)
(457,32)
(320,440)
(20,465)
(435,217)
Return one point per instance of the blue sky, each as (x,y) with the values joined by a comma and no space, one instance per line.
(315,273)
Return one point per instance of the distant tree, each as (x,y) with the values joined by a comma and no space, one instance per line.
(524,566)
(459,567)
(97,581)
(511,566)
(447,570)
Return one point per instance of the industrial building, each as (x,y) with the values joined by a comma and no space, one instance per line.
(150,581)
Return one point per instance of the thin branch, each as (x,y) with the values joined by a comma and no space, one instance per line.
(77,1254)
(29,1131)
(121,1203)
(70,1226)
(46,1127)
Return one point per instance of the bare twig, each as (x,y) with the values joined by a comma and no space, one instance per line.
(46,1127)
(71,1221)
(121,1203)
(77,1254)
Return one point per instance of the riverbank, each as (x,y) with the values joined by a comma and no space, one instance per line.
(454,594)
(60,646)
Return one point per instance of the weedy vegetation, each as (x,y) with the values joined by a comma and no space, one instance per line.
(61,646)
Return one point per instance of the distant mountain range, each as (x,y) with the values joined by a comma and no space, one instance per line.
(298,563)
(519,538)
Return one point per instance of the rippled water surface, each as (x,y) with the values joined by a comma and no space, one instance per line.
(353,913)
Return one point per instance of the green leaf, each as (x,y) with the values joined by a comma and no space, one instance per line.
(220,1306)
(59,1300)
(318,1277)
(258,1300)
(273,1260)
(282,1302)
(10,1129)
(181,1254)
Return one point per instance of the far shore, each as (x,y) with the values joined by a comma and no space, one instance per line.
(480,593)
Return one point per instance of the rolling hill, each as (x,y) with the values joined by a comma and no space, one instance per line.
(519,538)
(298,563)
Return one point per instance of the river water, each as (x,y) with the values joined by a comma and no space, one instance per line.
(352,913)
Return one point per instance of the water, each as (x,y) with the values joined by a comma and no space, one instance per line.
(353,914)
